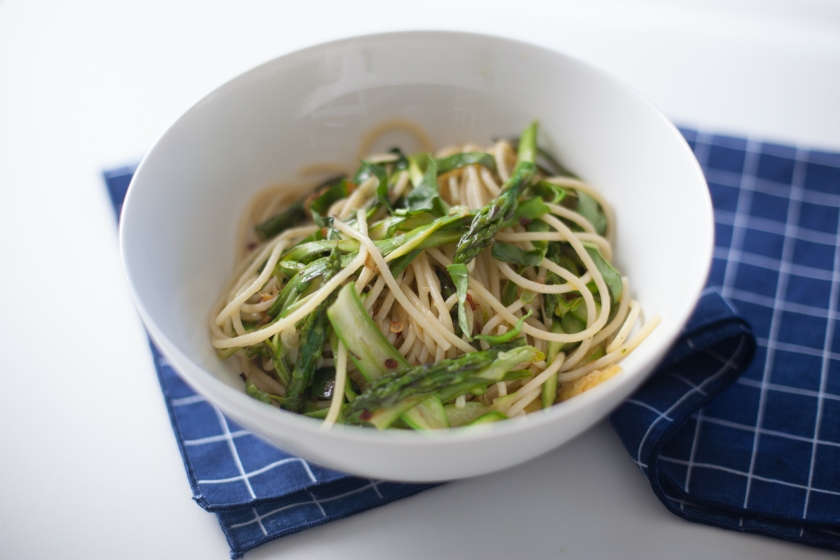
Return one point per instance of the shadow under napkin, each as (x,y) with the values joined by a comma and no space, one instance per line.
(260,493)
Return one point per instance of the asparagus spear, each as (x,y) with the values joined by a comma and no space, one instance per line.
(313,335)
(393,394)
(549,388)
(489,219)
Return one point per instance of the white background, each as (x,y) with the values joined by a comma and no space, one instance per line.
(89,467)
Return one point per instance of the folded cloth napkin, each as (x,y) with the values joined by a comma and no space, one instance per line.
(763,455)
(260,493)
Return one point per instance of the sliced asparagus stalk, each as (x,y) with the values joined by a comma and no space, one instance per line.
(428,415)
(369,350)
(313,335)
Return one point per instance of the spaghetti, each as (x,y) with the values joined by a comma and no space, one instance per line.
(429,291)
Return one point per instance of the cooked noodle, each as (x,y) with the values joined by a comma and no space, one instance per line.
(589,330)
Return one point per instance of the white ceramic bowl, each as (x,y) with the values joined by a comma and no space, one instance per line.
(181,212)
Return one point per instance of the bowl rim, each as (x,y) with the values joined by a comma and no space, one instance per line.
(219,393)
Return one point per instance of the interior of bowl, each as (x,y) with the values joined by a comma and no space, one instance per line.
(314,106)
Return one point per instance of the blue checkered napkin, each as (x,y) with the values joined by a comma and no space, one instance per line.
(258,492)
(763,456)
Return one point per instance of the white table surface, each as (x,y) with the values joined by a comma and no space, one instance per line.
(89,467)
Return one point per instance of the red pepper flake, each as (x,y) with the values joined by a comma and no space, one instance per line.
(391,363)
(523,221)
(471,302)
(251,246)
(350,187)
(242,375)
(366,415)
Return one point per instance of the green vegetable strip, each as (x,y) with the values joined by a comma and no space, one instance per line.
(526,211)
(428,415)
(393,394)
(478,385)
(425,195)
(435,240)
(611,276)
(294,214)
(297,285)
(321,204)
(539,226)
(304,251)
(289,218)
(492,416)
(281,364)
(461,279)
(414,240)
(457,161)
(463,416)
(447,287)
(549,388)
(508,336)
(261,395)
(489,219)
(313,335)
(367,170)
(589,208)
(553,194)
(369,350)
(552,301)
(510,291)
(512,254)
